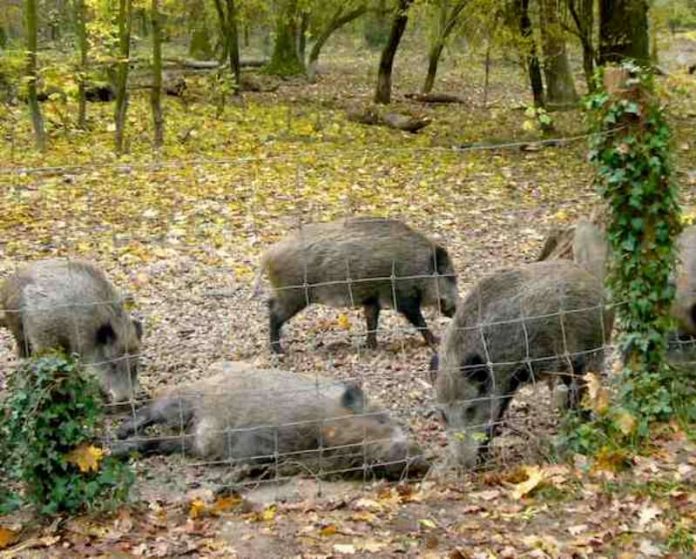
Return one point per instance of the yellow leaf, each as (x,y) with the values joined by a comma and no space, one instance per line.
(427,523)
(534,477)
(7,537)
(364,516)
(625,422)
(269,514)
(609,460)
(197,509)
(86,457)
(344,321)
(329,530)
(225,504)
(561,215)
(597,394)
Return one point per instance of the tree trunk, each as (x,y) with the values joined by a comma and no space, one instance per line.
(156,93)
(32,45)
(81,29)
(284,60)
(447,23)
(623,31)
(222,22)
(233,45)
(302,35)
(560,86)
(199,46)
(386,61)
(339,20)
(582,13)
(530,55)
(125,12)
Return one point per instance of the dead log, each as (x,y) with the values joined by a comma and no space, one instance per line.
(372,116)
(434,98)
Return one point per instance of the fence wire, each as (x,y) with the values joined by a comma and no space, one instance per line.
(266,425)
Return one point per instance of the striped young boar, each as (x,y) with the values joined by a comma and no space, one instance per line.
(72,306)
(516,326)
(267,417)
(369,262)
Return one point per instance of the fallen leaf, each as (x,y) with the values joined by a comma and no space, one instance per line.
(626,422)
(197,509)
(85,457)
(647,515)
(343,321)
(597,393)
(649,549)
(345,549)
(329,530)
(534,477)
(427,523)
(577,530)
(225,504)
(7,537)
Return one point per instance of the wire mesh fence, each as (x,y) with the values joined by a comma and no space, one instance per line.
(336,407)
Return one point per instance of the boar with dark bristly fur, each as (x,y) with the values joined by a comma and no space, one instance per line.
(71,305)
(370,262)
(272,418)
(684,308)
(516,326)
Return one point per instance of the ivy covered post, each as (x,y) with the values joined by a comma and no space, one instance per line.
(631,152)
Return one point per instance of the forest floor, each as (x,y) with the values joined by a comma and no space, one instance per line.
(183,231)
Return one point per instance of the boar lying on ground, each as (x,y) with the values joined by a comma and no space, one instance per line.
(70,305)
(369,262)
(517,326)
(273,418)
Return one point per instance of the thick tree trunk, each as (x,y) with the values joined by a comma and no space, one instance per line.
(156,93)
(386,62)
(339,20)
(81,29)
(531,58)
(32,74)
(447,24)
(125,16)
(623,31)
(560,86)
(284,60)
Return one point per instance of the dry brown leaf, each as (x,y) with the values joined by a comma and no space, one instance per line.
(329,530)
(226,504)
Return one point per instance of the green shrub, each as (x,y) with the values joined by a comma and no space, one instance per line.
(47,440)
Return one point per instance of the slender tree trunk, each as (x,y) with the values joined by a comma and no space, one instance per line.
(81,28)
(582,13)
(560,86)
(531,58)
(339,20)
(32,74)
(623,31)
(199,45)
(284,60)
(156,93)
(447,24)
(302,35)
(125,13)
(233,45)
(386,62)
(487,74)
(222,21)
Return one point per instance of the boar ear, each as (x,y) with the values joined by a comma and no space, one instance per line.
(105,334)
(138,325)
(441,261)
(475,369)
(353,398)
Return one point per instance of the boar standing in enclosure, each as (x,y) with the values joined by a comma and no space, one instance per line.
(684,308)
(271,418)
(70,305)
(369,262)
(517,326)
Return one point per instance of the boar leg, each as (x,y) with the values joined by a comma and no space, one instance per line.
(372,309)
(172,412)
(410,308)
(280,311)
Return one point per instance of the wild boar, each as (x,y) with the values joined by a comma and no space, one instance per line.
(684,308)
(516,326)
(71,305)
(370,262)
(273,418)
